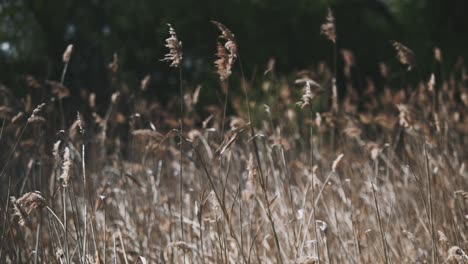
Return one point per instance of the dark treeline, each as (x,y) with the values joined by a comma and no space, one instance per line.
(34,34)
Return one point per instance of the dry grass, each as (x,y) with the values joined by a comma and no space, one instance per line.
(379,178)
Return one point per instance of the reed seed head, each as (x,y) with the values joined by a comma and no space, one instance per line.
(328,28)
(438,54)
(23,206)
(67,54)
(404,55)
(66,168)
(308,95)
(36,112)
(227,53)
(175,48)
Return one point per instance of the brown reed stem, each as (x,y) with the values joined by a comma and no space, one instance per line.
(379,218)
(431,209)
(181,187)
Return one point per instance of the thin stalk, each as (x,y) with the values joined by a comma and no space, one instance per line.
(327,247)
(7,207)
(123,247)
(62,79)
(317,249)
(382,235)
(53,226)
(379,219)
(83,167)
(200,222)
(1,130)
(115,250)
(94,235)
(312,215)
(65,223)
(105,234)
(335,101)
(181,187)
(431,209)
(225,86)
(56,217)
(334,87)
(64,71)
(36,248)
(13,150)
(76,221)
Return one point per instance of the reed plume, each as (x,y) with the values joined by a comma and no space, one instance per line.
(404,55)
(67,54)
(308,94)
(114,65)
(175,48)
(406,116)
(23,206)
(349,61)
(250,190)
(438,54)
(456,254)
(80,123)
(227,53)
(328,28)
(223,65)
(145,82)
(431,83)
(443,238)
(66,168)
(36,112)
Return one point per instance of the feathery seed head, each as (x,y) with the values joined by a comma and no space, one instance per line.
(114,65)
(222,63)
(308,94)
(66,167)
(145,82)
(431,83)
(328,28)
(405,116)
(438,54)
(404,54)
(175,48)
(36,112)
(227,53)
(27,203)
(67,54)
(456,254)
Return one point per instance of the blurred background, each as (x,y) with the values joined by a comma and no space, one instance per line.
(35,33)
